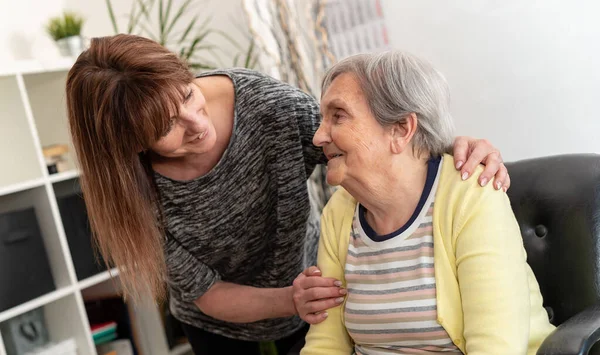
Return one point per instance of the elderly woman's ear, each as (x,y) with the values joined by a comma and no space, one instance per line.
(403,132)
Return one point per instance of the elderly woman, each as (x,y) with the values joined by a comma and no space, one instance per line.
(431,263)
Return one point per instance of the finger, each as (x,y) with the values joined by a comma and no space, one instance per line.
(492,167)
(506,183)
(460,151)
(321,305)
(481,150)
(318,293)
(500,177)
(316,281)
(311,271)
(315,318)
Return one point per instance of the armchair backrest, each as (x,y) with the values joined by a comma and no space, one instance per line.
(556,201)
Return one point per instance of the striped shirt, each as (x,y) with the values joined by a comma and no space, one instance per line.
(391,303)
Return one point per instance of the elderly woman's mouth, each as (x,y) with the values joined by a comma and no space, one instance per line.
(333,156)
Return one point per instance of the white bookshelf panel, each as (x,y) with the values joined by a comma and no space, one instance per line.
(2,348)
(48,103)
(18,157)
(65,321)
(101,286)
(38,199)
(36,303)
(107,278)
(67,175)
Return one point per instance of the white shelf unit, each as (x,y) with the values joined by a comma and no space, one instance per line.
(33,115)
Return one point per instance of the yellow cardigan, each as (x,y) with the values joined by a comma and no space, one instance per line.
(488,299)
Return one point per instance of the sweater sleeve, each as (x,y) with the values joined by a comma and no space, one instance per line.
(187,276)
(330,336)
(492,275)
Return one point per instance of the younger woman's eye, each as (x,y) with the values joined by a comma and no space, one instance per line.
(189,95)
(170,127)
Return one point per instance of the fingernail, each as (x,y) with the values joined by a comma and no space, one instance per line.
(505,188)
(343,291)
(324,315)
(317,271)
(459,164)
(339,300)
(483,181)
(465,175)
(498,185)
(338,283)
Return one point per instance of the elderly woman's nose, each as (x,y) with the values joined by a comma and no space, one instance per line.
(321,136)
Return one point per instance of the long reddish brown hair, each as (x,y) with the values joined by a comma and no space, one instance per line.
(120,94)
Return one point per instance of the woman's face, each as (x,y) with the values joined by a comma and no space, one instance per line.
(355,144)
(190,132)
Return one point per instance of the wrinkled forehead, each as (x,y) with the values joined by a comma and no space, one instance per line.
(344,91)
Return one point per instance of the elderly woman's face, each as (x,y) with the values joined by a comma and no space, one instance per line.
(355,144)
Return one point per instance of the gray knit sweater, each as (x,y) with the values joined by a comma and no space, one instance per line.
(248,221)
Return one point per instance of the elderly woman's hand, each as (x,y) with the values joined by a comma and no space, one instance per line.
(470,152)
(314,294)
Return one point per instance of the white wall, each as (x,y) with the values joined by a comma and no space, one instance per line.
(524,74)
(22,34)
(21,29)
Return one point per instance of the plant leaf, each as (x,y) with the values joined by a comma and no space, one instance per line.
(188,29)
(111,14)
(146,8)
(161,21)
(132,17)
(249,55)
(201,66)
(148,32)
(168,11)
(195,41)
(177,16)
(230,39)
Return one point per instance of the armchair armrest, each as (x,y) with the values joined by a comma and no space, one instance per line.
(576,336)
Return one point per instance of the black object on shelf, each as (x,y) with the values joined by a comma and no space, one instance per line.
(24,267)
(79,237)
(25,332)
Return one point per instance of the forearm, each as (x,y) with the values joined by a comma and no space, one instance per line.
(244,304)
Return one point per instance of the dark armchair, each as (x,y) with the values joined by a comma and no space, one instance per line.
(557,203)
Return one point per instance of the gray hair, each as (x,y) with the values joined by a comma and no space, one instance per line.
(397,84)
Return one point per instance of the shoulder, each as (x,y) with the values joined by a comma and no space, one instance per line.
(339,210)
(267,89)
(452,187)
(462,199)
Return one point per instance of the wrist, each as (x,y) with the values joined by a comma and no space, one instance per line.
(289,304)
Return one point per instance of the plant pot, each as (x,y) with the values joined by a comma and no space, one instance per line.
(70,46)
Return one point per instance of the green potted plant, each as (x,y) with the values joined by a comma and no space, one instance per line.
(187,36)
(66,31)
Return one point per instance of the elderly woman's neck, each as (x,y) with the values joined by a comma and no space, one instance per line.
(391,197)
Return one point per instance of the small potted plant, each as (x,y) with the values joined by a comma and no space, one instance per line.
(66,31)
